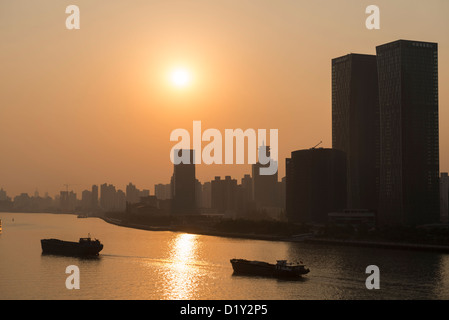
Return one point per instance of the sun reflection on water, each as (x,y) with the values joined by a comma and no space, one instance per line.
(183,273)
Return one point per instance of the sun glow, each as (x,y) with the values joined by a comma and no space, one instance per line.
(180,78)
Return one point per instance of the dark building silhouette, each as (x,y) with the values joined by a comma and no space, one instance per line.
(5,202)
(247,187)
(94,197)
(183,184)
(282,192)
(67,201)
(198,194)
(162,191)
(132,193)
(3,196)
(355,126)
(206,198)
(409,163)
(107,197)
(86,200)
(89,200)
(264,186)
(315,184)
(444,197)
(148,206)
(224,195)
(112,199)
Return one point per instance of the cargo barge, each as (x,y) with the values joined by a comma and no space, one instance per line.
(280,269)
(84,247)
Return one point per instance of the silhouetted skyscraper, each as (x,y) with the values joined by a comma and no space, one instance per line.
(86,200)
(120,200)
(67,201)
(408,101)
(198,194)
(94,197)
(444,197)
(132,193)
(183,185)
(355,125)
(247,187)
(264,186)
(3,196)
(206,199)
(224,194)
(112,199)
(315,184)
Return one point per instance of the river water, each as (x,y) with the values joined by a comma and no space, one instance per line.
(159,265)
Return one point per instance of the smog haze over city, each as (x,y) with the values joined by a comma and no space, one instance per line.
(98,104)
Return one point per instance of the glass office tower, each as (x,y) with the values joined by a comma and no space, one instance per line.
(355,126)
(409,155)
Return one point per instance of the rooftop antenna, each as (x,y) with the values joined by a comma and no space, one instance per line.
(317,145)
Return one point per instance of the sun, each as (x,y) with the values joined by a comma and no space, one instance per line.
(180,77)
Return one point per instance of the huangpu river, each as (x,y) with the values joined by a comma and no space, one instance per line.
(163,265)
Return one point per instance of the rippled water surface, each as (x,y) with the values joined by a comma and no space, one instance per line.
(138,264)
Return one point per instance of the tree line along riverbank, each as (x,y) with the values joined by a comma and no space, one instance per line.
(429,238)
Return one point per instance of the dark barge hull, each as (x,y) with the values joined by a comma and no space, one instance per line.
(68,248)
(257,268)
(260,268)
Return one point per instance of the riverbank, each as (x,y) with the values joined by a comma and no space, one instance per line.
(118,222)
(376,244)
(306,238)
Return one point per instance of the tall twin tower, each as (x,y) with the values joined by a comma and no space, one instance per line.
(385,118)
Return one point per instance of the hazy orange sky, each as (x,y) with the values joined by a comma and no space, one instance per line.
(94,105)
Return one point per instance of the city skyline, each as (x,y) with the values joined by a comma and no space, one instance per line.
(383,106)
(101,110)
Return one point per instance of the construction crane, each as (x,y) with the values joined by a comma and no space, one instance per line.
(316,145)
